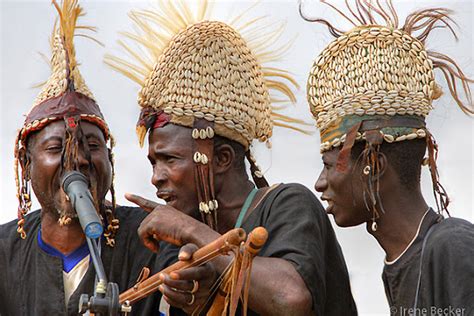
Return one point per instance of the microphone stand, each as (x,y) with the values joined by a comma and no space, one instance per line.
(105,301)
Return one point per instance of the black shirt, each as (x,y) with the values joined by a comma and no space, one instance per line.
(299,231)
(447,272)
(31,281)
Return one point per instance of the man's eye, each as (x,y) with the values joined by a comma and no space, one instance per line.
(54,148)
(170,159)
(93,145)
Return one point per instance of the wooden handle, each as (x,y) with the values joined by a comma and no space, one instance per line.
(256,240)
(221,245)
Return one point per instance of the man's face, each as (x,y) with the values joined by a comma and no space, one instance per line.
(44,153)
(342,191)
(170,153)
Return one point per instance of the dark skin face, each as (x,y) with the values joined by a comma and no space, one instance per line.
(342,191)
(404,207)
(44,155)
(170,153)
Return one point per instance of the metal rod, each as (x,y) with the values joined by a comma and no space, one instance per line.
(98,266)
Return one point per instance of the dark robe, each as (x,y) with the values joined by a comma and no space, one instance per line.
(447,272)
(300,232)
(31,281)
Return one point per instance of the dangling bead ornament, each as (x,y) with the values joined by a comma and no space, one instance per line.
(367,170)
(64,220)
(374,225)
(425,162)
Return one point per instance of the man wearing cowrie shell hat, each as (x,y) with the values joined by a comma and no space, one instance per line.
(206,94)
(370,91)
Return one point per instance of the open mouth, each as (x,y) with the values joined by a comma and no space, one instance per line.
(330,204)
(166,196)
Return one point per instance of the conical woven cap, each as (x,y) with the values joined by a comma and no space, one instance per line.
(371,71)
(65,92)
(208,72)
(65,74)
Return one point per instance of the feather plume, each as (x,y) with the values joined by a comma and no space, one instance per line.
(69,12)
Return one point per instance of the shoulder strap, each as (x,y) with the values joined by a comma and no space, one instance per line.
(247,212)
(245,207)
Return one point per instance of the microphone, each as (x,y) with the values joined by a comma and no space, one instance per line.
(76,186)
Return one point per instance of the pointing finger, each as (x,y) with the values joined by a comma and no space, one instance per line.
(145,204)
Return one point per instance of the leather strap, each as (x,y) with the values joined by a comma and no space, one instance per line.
(372,135)
(204,174)
(70,103)
(395,121)
(260,182)
(345,154)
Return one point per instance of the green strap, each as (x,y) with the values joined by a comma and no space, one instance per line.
(245,207)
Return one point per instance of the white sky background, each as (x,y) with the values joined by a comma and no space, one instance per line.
(26,27)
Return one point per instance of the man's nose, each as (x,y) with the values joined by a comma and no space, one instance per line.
(159,175)
(82,160)
(321,183)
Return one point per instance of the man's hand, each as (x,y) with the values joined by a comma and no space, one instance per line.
(188,289)
(164,223)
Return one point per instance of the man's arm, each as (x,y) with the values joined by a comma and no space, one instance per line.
(277,287)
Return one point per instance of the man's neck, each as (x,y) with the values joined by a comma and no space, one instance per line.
(231,198)
(399,225)
(66,238)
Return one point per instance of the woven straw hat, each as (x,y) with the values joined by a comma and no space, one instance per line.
(377,71)
(196,68)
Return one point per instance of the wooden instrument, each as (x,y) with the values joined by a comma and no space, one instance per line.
(148,285)
(237,279)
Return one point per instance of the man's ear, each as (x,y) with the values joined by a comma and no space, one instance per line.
(224,156)
(383,164)
(24,159)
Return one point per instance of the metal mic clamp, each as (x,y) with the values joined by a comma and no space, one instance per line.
(107,305)
(105,301)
